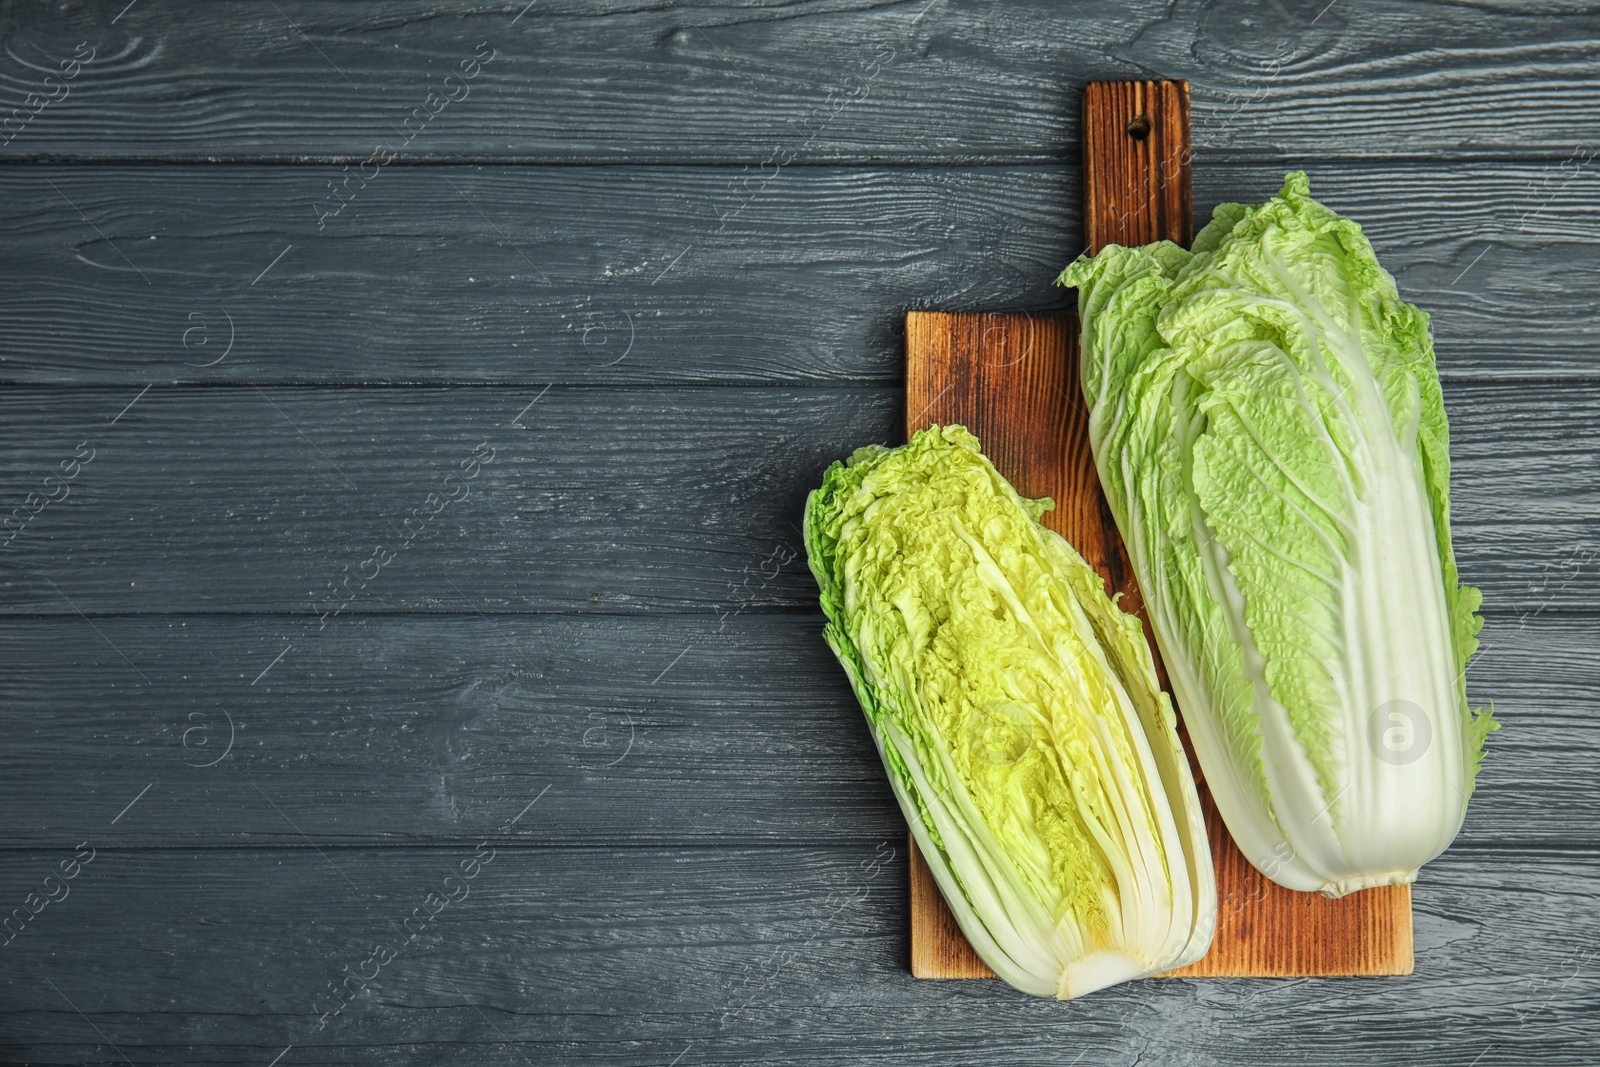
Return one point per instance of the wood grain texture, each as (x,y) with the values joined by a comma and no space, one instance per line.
(700,901)
(1136,156)
(774,955)
(939,950)
(814,81)
(1004,373)
(692,729)
(1267,931)
(673,509)
(651,498)
(411,285)
(1013,381)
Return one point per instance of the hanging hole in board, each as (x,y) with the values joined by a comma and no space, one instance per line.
(1139,128)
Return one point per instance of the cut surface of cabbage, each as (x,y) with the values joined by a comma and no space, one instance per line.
(1017,712)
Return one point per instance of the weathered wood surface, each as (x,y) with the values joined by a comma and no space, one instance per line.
(649,497)
(690,728)
(743,956)
(934,80)
(675,905)
(609,275)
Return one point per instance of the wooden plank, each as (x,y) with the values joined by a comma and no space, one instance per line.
(604,499)
(597,499)
(776,956)
(1500,255)
(699,81)
(1013,381)
(534,275)
(682,729)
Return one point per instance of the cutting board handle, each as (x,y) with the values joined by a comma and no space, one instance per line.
(1136,156)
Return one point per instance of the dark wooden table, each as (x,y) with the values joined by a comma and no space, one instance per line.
(408,653)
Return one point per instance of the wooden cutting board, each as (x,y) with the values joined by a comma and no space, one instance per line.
(1013,381)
